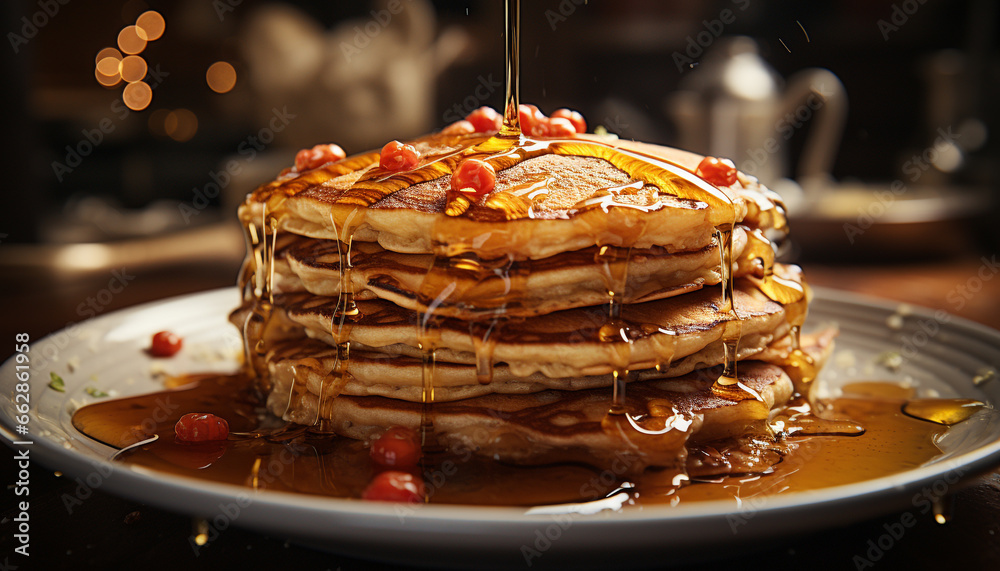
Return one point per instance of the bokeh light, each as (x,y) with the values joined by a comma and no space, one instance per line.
(107,52)
(113,67)
(157,122)
(152,25)
(107,80)
(109,66)
(221,77)
(137,96)
(181,125)
(132,68)
(131,40)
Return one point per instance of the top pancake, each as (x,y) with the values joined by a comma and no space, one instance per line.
(551,196)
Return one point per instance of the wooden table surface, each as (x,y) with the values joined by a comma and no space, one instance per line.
(110,532)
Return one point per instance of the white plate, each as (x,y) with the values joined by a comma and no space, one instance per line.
(943,353)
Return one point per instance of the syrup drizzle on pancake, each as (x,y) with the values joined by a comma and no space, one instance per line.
(257,276)
(342,321)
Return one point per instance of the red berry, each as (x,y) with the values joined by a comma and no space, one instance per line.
(561,127)
(579,124)
(474,177)
(397,448)
(539,128)
(530,117)
(393,486)
(485,119)
(396,156)
(201,427)
(462,127)
(720,172)
(165,344)
(317,156)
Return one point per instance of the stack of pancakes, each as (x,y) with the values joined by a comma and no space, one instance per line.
(502,323)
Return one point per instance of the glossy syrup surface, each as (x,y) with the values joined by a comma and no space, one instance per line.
(861,435)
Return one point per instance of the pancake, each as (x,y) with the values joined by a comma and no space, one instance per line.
(550,197)
(557,426)
(315,367)
(510,318)
(563,344)
(564,281)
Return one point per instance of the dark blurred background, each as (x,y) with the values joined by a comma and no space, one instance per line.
(139,143)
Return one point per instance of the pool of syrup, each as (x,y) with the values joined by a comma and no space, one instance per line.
(865,433)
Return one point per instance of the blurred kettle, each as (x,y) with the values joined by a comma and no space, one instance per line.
(731,106)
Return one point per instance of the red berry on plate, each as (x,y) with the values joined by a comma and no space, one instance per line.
(165,344)
(317,156)
(474,176)
(579,124)
(462,127)
(201,427)
(485,119)
(530,117)
(399,447)
(720,172)
(394,486)
(396,156)
(561,127)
